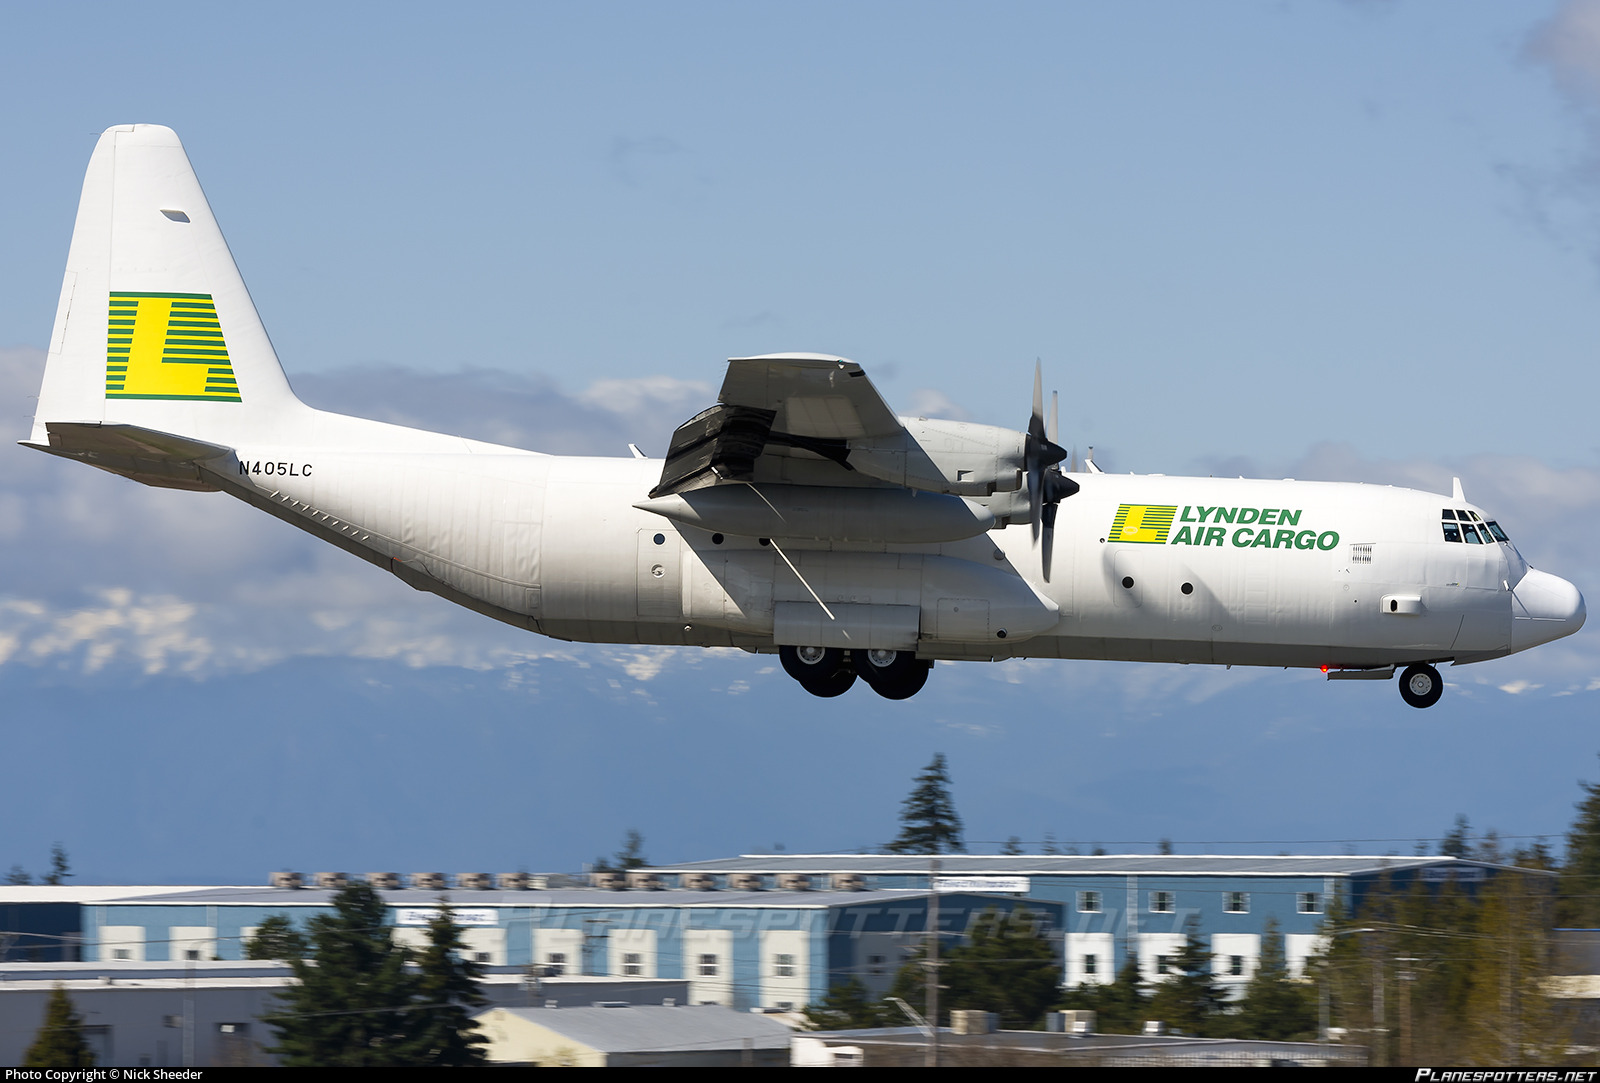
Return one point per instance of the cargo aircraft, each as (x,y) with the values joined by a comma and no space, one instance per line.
(798,515)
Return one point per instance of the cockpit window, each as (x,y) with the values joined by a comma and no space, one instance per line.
(1457,524)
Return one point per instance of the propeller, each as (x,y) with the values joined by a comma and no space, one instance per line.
(1047,485)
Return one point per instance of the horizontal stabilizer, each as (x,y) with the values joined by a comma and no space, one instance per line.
(145,455)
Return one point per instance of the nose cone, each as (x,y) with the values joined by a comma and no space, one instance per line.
(1544,607)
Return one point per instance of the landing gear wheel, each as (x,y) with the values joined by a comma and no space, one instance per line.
(1421,686)
(822,671)
(892,674)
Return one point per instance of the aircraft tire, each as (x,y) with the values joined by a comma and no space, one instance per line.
(893,675)
(822,671)
(907,685)
(1421,686)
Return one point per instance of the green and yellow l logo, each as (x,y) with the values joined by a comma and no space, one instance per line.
(1143,523)
(167,346)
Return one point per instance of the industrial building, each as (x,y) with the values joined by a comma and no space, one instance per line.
(1116,903)
(739,948)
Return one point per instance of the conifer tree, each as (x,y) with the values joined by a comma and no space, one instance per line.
(350,1004)
(1275,1008)
(848,1006)
(1188,1001)
(447,992)
(1579,885)
(59,869)
(276,938)
(928,820)
(59,1043)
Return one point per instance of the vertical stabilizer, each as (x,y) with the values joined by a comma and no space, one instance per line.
(155,327)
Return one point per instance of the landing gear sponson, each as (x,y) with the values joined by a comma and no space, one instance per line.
(830,671)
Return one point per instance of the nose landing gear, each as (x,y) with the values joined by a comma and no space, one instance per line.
(1421,685)
(830,671)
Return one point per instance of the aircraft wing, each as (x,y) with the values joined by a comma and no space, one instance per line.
(806,406)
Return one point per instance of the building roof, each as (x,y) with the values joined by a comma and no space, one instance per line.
(1068,864)
(653,1028)
(574,897)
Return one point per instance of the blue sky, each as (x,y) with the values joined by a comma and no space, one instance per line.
(1353,241)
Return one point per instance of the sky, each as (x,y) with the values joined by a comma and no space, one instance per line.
(1354,241)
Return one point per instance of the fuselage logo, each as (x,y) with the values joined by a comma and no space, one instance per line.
(1144,524)
(167,346)
(1199,524)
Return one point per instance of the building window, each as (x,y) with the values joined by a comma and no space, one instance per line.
(1236,966)
(1161,902)
(632,964)
(1164,965)
(875,964)
(1309,902)
(190,953)
(1236,902)
(1091,965)
(708,966)
(121,953)
(555,964)
(1088,902)
(783,965)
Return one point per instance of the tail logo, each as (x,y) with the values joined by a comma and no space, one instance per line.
(167,346)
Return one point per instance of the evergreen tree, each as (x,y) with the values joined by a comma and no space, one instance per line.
(1579,884)
(58,865)
(59,1043)
(18,875)
(1275,1008)
(1012,848)
(447,989)
(350,1004)
(1121,1007)
(1188,1001)
(1008,966)
(631,856)
(928,820)
(276,938)
(1458,843)
(848,1006)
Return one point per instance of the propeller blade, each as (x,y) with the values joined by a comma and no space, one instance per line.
(1049,539)
(1036,419)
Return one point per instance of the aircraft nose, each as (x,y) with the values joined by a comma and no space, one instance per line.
(1544,607)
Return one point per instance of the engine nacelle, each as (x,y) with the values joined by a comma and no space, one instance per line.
(955,457)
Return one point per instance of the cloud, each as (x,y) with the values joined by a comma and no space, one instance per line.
(1563,200)
(928,402)
(1567,45)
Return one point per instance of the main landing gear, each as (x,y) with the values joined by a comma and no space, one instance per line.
(830,671)
(1421,685)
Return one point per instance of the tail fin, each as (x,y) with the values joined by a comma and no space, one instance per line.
(155,328)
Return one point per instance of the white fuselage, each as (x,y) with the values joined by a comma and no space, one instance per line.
(1247,572)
